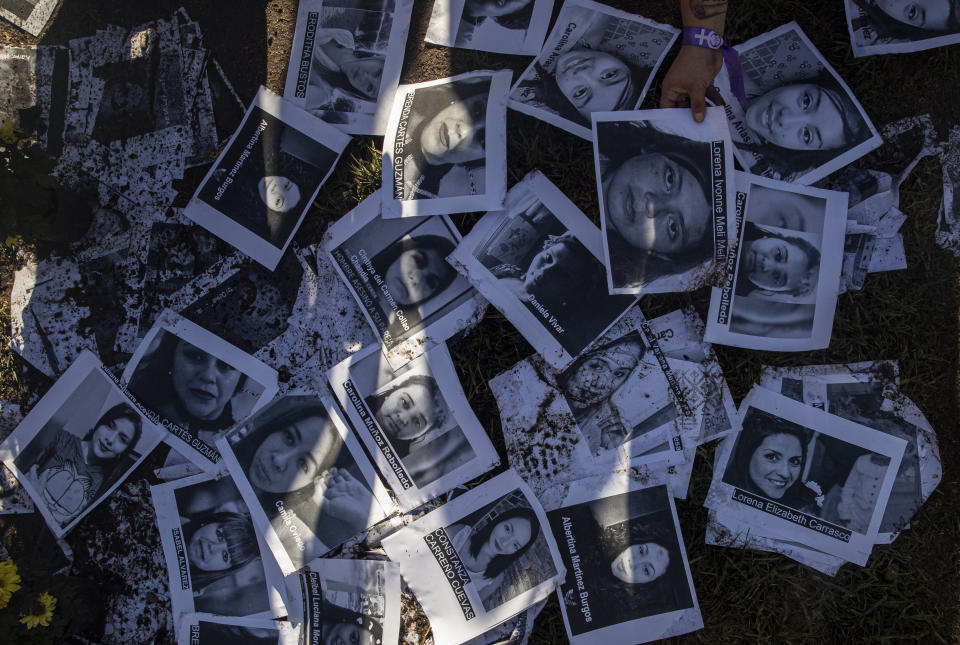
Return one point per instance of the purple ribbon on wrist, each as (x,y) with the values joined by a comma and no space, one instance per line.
(709,39)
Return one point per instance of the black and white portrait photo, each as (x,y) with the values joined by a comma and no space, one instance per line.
(538,261)
(210,629)
(347,602)
(77,444)
(800,121)
(445,146)
(665,192)
(480,558)
(346,56)
(196,384)
(899,26)
(397,271)
(596,59)
(307,483)
(259,189)
(781,291)
(205,528)
(415,421)
(501,26)
(625,562)
(789,459)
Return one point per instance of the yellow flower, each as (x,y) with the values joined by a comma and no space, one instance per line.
(47,604)
(9,581)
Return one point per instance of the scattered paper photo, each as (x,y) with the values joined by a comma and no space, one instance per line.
(445,147)
(208,629)
(884,27)
(515,27)
(596,59)
(258,191)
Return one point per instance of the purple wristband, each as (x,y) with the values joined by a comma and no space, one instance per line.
(709,39)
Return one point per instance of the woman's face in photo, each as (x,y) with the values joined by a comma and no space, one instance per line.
(776,265)
(602,373)
(509,536)
(279,193)
(798,117)
(346,634)
(407,412)
(290,458)
(203,383)
(112,439)
(656,204)
(775,464)
(455,134)
(207,548)
(592,80)
(493,8)
(933,15)
(364,74)
(786,210)
(640,563)
(544,262)
(416,275)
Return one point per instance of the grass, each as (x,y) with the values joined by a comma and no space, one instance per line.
(910,590)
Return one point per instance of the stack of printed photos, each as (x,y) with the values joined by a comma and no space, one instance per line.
(830,461)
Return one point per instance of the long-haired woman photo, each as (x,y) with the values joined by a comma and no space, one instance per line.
(656,202)
(893,21)
(71,472)
(445,145)
(777,264)
(800,125)
(342,626)
(769,458)
(414,269)
(305,479)
(187,386)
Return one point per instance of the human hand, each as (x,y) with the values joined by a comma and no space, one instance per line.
(346,498)
(690,78)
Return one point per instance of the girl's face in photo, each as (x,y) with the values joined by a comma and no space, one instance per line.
(110,440)
(933,15)
(407,412)
(493,8)
(786,210)
(656,204)
(776,265)
(455,134)
(509,536)
(775,464)
(279,193)
(592,80)
(602,373)
(346,634)
(640,563)
(203,383)
(797,117)
(416,275)
(364,74)
(544,262)
(207,548)
(290,458)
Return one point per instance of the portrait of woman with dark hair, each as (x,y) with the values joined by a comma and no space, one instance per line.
(799,125)
(342,626)
(413,414)
(657,208)
(632,567)
(584,80)
(444,150)
(187,386)
(896,21)
(415,268)
(71,472)
(777,265)
(305,479)
(787,210)
(267,190)
(590,382)
(769,458)
(478,16)
(488,543)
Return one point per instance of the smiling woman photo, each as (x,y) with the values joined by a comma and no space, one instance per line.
(769,459)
